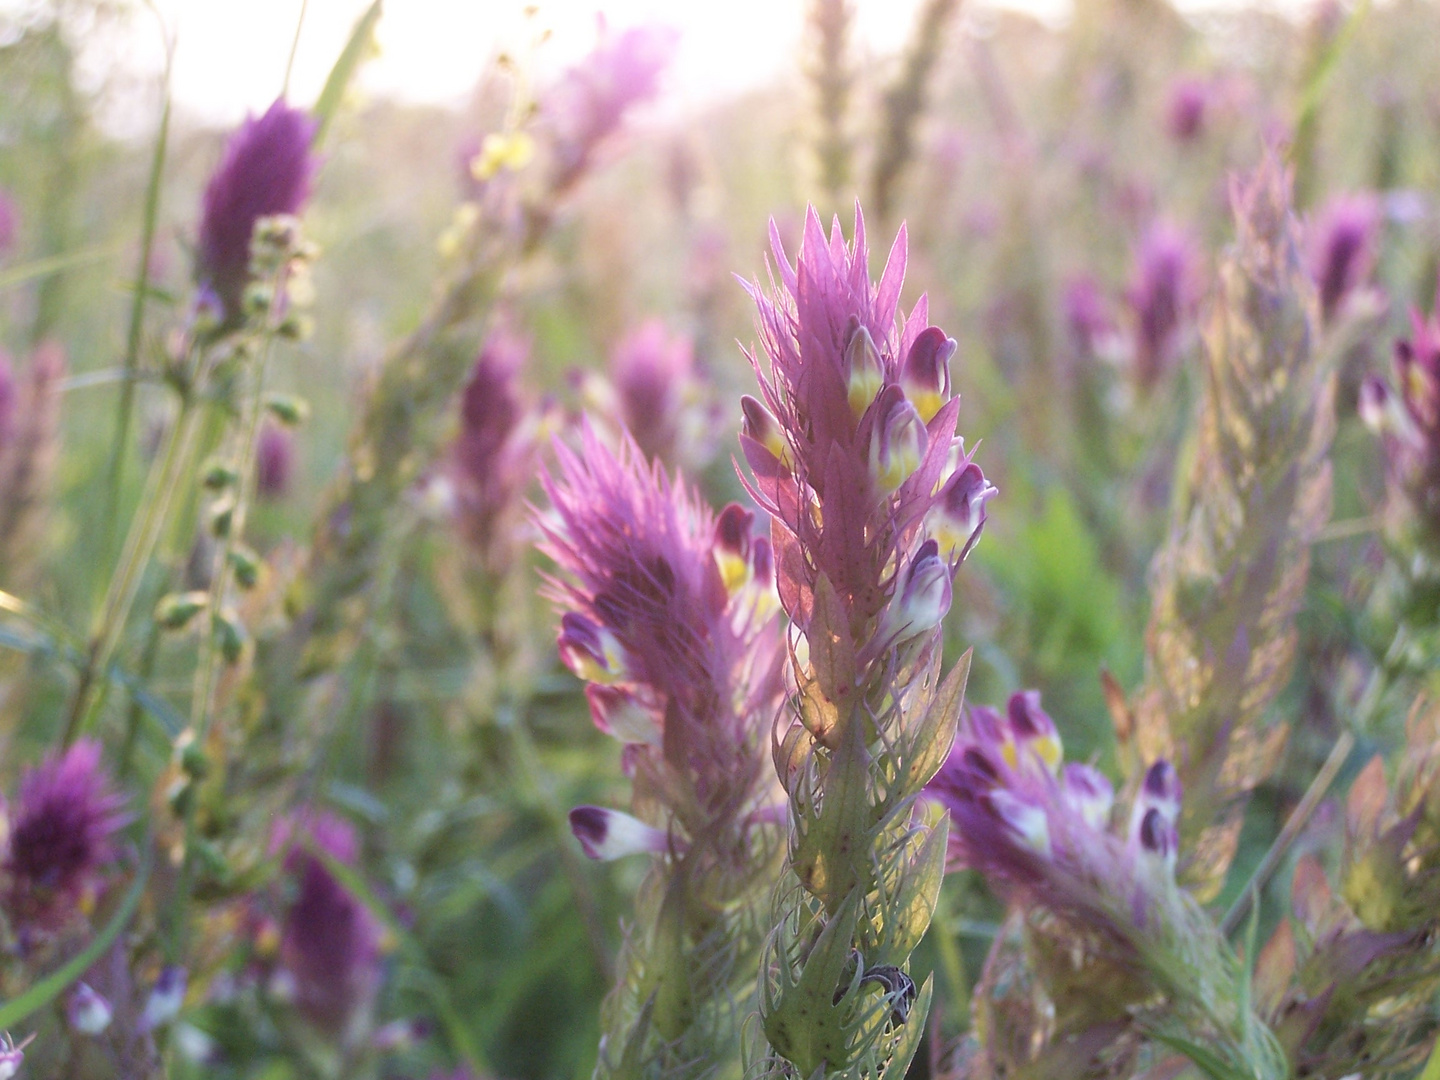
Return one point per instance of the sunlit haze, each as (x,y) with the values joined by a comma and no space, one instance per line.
(230,57)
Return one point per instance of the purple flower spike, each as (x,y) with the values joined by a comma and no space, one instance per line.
(653,374)
(1162,296)
(590,101)
(274,461)
(609,834)
(266,169)
(1343,252)
(656,597)
(329,941)
(1185,111)
(60,837)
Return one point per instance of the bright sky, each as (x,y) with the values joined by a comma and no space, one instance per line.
(231,54)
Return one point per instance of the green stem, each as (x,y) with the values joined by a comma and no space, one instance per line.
(136,331)
(145,530)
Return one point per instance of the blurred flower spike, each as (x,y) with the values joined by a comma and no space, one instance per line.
(266,170)
(1343,249)
(60,838)
(590,100)
(1408,421)
(1162,295)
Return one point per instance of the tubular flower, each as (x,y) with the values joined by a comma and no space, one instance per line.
(667,615)
(274,461)
(1409,423)
(591,99)
(266,169)
(873,503)
(61,837)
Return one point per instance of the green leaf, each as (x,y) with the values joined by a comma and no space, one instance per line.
(908,915)
(904,1049)
(12,1013)
(935,733)
(360,45)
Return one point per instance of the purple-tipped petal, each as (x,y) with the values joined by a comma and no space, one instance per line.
(609,834)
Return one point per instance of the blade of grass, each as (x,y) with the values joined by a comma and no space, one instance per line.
(135,334)
(53,264)
(361,44)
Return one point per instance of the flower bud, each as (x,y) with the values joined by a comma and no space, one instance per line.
(1344,249)
(589,650)
(926,372)
(175,610)
(864,373)
(609,834)
(959,512)
(760,426)
(1088,793)
(165,999)
(898,441)
(923,599)
(87,1012)
(1375,405)
(287,408)
(1034,731)
(1155,817)
(624,714)
(733,545)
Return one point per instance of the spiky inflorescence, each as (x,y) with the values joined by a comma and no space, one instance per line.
(329,941)
(29,449)
(1350,981)
(1409,424)
(266,170)
(61,838)
(1231,577)
(669,615)
(1117,951)
(874,504)
(589,101)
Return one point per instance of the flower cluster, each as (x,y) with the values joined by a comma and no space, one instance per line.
(590,100)
(853,449)
(1409,422)
(61,839)
(1040,828)
(266,170)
